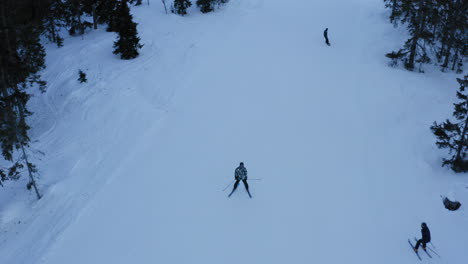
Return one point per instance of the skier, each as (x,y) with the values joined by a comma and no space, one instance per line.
(325,34)
(240,174)
(426,237)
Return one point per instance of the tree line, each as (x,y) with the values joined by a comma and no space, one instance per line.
(437,33)
(22,57)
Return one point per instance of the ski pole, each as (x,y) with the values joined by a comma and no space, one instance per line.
(433,245)
(228,185)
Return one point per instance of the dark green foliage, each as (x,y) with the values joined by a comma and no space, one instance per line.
(106,13)
(205,5)
(433,25)
(453,24)
(54,21)
(128,42)
(453,135)
(209,5)
(21,59)
(74,11)
(180,7)
(82,76)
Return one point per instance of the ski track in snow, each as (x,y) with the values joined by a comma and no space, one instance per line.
(135,159)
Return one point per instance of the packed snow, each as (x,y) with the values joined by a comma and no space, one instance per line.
(339,145)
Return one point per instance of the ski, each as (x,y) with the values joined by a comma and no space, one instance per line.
(412,247)
(415,239)
(433,251)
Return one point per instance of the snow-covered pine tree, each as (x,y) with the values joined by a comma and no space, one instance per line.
(416,14)
(453,135)
(128,42)
(180,7)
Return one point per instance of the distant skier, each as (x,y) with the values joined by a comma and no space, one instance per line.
(325,34)
(426,237)
(240,174)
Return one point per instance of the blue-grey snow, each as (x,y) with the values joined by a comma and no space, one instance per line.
(136,159)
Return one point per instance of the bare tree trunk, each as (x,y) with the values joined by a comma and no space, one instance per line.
(25,156)
(449,48)
(95,23)
(164,3)
(462,138)
(31,178)
(420,26)
(455,59)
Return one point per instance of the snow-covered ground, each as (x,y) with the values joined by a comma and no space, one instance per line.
(136,159)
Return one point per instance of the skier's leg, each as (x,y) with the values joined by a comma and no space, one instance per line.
(247,187)
(424,245)
(246,184)
(235,187)
(418,243)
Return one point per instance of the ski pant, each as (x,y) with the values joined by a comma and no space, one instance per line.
(237,184)
(423,244)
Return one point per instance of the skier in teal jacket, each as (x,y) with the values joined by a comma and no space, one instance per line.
(240,174)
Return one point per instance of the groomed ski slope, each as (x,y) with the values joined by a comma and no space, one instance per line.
(137,158)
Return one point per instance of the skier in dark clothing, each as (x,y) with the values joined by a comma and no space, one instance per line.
(426,237)
(325,34)
(240,175)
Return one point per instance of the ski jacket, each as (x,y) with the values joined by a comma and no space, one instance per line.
(426,234)
(240,173)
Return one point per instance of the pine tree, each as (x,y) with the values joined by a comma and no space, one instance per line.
(75,9)
(453,135)
(434,25)
(452,33)
(54,21)
(416,14)
(128,42)
(105,12)
(209,5)
(180,7)
(205,5)
(21,58)
(396,7)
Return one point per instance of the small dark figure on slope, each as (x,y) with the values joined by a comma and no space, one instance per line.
(426,237)
(240,175)
(325,34)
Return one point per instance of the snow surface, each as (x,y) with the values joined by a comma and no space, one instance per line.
(136,159)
